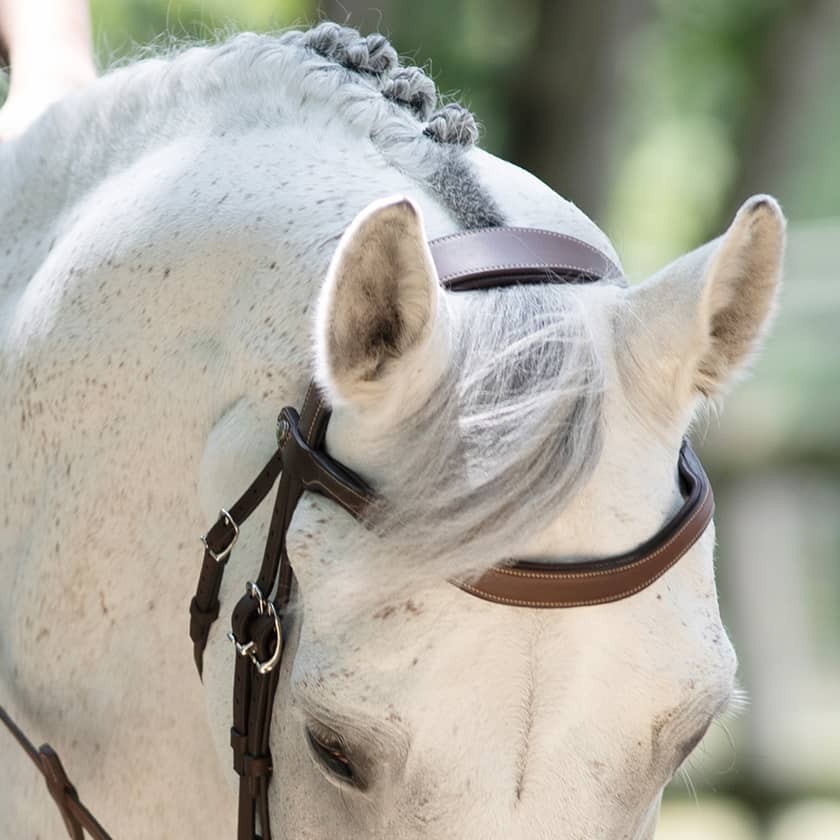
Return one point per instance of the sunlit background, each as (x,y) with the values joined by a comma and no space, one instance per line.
(658,117)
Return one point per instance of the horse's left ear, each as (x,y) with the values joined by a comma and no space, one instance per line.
(696,323)
(378,305)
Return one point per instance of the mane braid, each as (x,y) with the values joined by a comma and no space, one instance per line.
(315,74)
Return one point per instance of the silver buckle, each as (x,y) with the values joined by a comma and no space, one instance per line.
(225,553)
(264,607)
(253,590)
(283,430)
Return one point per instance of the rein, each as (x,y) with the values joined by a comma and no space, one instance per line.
(473,260)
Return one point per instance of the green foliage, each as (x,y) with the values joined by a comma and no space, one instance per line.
(698,92)
(694,91)
(470,49)
(120,27)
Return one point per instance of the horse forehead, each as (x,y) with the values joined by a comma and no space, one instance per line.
(512,703)
(439,640)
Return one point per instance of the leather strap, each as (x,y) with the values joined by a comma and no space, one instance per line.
(256,622)
(543,585)
(218,542)
(504,256)
(467,261)
(77,818)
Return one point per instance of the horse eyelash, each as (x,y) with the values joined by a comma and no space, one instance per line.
(326,736)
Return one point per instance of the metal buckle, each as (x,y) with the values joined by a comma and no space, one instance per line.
(264,607)
(253,590)
(271,663)
(224,554)
(283,429)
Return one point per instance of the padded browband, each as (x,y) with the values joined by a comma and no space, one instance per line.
(553,585)
(488,259)
(506,256)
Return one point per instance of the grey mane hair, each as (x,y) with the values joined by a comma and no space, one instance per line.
(317,73)
(411,87)
(452,124)
(511,432)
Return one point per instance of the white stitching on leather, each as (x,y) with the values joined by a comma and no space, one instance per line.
(307,396)
(607,599)
(484,268)
(319,410)
(598,573)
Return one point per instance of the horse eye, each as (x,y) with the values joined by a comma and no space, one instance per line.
(328,751)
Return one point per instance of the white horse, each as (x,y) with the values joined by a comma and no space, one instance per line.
(165,235)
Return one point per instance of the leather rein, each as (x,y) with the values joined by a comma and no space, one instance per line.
(473,260)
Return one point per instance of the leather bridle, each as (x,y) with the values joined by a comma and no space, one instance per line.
(473,260)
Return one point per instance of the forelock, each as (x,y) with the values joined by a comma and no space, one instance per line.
(510,434)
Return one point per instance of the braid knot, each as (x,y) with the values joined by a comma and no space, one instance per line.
(452,124)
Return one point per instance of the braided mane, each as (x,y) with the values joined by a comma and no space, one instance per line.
(376,60)
(320,77)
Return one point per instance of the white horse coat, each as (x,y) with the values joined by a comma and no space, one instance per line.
(163,239)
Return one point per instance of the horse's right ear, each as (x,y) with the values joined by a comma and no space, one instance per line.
(378,305)
(696,323)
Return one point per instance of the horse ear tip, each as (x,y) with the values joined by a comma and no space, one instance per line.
(763,206)
(401,204)
(397,209)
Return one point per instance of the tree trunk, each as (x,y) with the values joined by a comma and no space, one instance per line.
(364,15)
(565,104)
(787,74)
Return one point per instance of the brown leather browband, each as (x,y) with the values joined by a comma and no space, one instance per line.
(551,585)
(473,260)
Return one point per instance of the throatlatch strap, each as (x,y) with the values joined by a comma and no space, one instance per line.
(218,542)
(300,454)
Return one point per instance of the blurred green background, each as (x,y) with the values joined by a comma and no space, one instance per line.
(657,118)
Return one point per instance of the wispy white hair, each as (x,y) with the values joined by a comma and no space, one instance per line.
(512,430)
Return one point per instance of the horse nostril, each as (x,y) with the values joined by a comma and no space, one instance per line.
(685,748)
